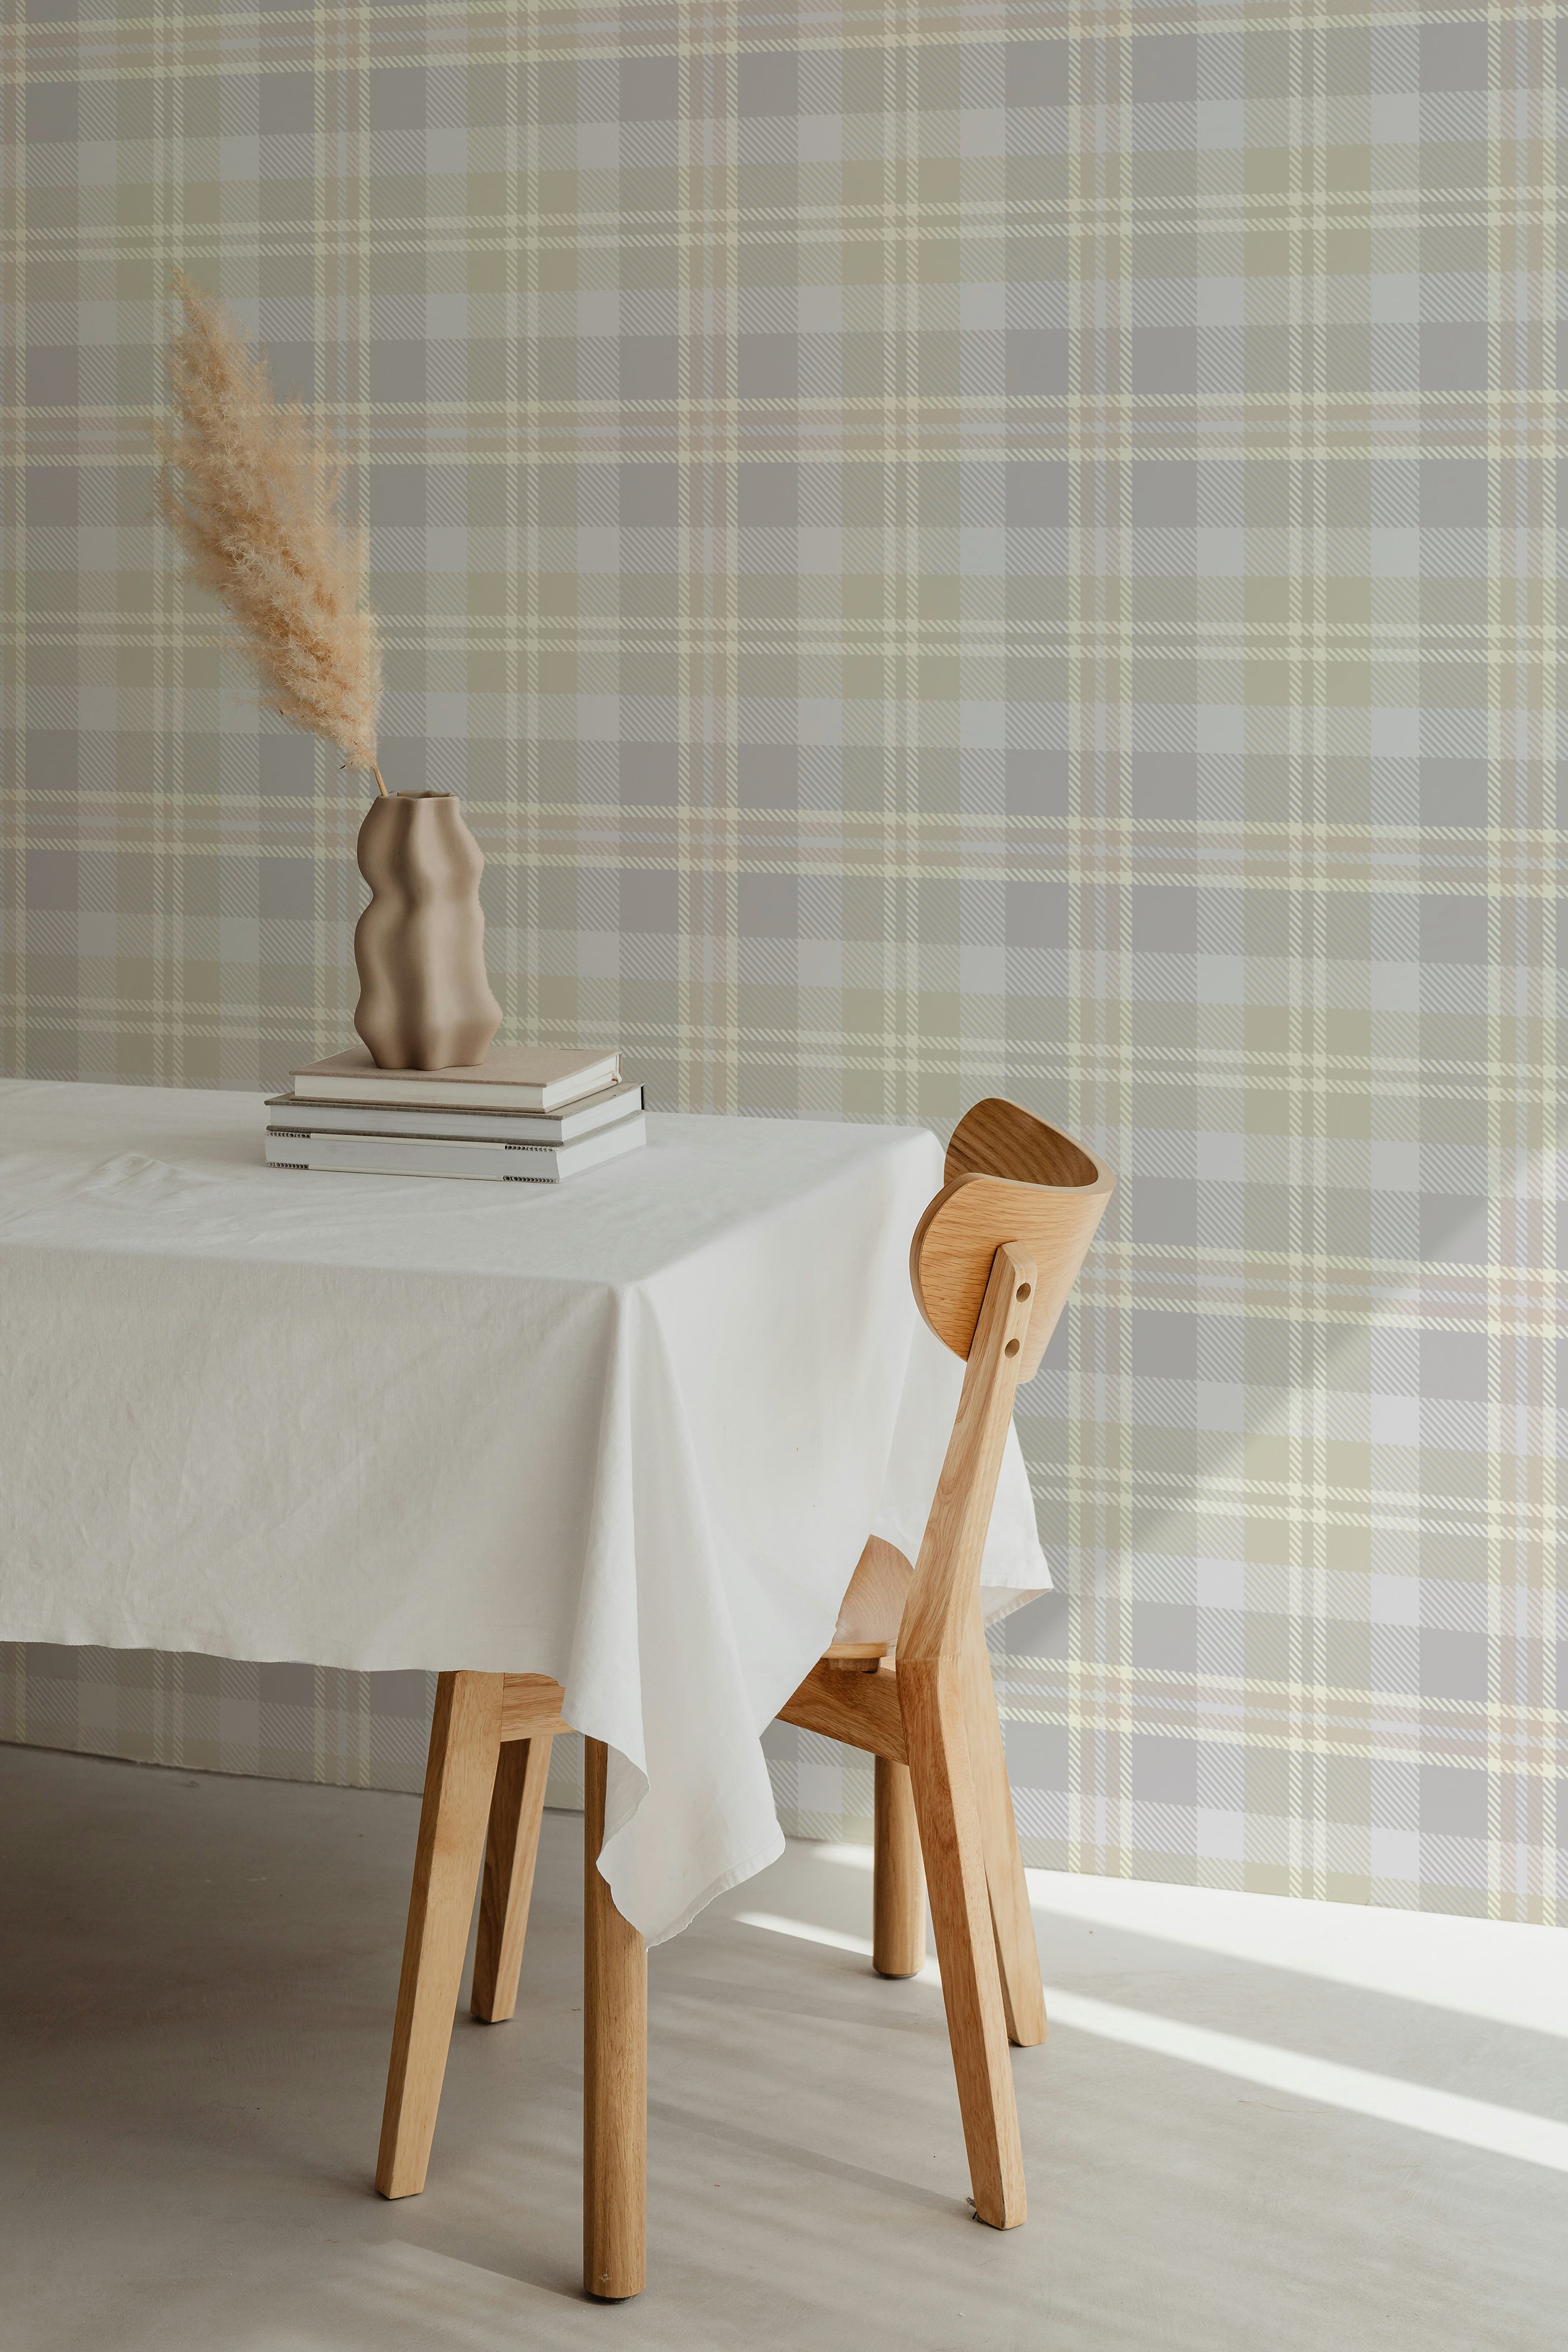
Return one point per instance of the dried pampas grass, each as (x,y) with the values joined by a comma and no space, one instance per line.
(251,491)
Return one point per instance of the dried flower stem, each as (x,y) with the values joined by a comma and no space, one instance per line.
(251,491)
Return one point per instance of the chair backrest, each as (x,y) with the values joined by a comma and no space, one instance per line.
(1009,1178)
(992,1262)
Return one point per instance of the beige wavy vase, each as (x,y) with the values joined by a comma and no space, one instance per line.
(425,1001)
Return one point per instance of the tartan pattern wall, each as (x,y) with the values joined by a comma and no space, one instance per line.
(281,1722)
(947,549)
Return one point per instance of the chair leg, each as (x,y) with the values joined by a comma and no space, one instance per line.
(1017,1955)
(511,1850)
(615,2070)
(897,1881)
(932,1695)
(464,1742)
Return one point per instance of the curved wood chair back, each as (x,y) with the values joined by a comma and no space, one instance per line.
(1009,1178)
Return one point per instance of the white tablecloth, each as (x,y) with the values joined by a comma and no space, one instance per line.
(631,1430)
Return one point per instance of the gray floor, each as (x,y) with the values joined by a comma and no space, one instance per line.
(198,1976)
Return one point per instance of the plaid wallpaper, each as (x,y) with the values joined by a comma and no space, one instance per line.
(1001,546)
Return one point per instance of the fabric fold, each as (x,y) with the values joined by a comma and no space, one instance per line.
(631,1432)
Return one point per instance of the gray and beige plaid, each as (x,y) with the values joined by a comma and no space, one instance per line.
(948,549)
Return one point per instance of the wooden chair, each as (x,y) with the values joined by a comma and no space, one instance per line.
(992,1262)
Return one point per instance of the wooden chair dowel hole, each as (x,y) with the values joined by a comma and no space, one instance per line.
(1010,1348)
(1024,1289)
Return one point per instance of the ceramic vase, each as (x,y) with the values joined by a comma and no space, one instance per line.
(425,1002)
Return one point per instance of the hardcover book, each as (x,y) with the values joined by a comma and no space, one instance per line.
(398,1155)
(457,1123)
(511,1077)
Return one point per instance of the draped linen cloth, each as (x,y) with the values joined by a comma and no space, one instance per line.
(631,1430)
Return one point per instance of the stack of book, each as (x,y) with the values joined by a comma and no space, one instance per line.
(524,1116)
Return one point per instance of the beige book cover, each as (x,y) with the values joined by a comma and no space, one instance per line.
(514,1077)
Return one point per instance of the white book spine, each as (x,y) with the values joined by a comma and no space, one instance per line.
(294,1114)
(423,1090)
(511,1163)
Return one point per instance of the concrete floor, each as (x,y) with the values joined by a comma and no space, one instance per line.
(196,1984)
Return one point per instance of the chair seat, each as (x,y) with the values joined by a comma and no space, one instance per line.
(856,1657)
(874,1602)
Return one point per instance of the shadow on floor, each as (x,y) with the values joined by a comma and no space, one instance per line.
(197,1985)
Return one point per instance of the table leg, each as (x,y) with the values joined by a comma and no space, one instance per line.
(511,1850)
(464,1742)
(615,2070)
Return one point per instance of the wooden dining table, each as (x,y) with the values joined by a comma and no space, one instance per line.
(629,1432)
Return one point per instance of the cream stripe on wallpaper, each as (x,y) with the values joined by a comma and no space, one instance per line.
(949,550)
